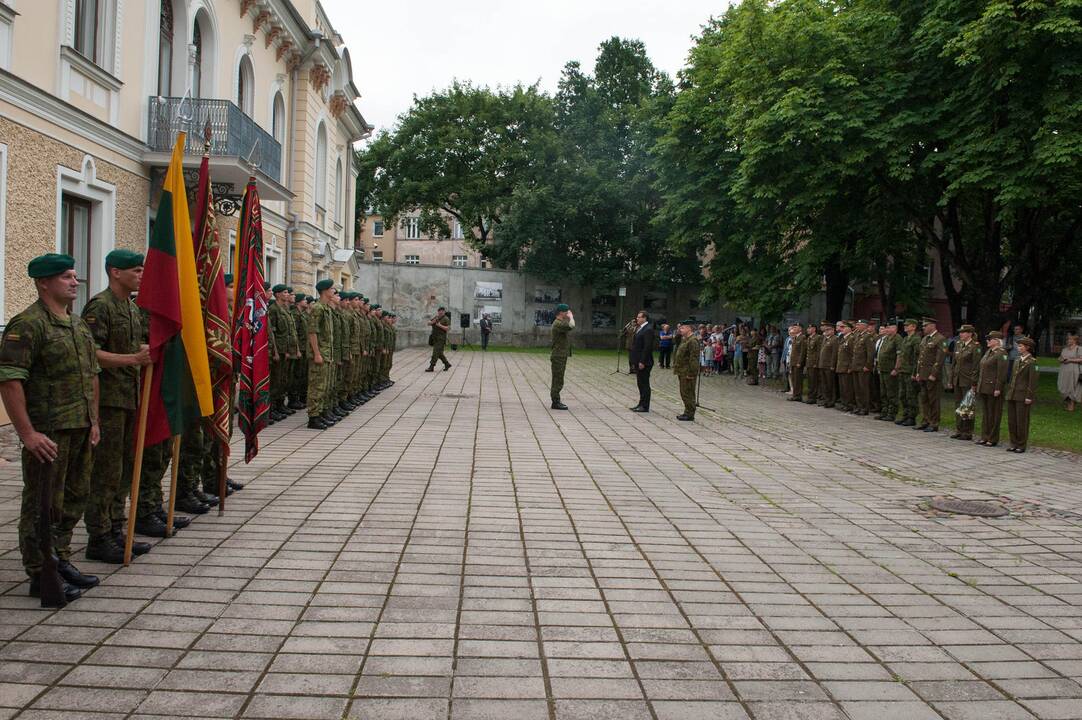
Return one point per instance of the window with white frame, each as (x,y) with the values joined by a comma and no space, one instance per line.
(76,240)
(89,27)
(7,25)
(278,120)
(377,228)
(85,225)
(246,86)
(413,259)
(270,270)
(377,256)
(411,227)
(321,167)
(456,230)
(458,261)
(484,263)
(165,49)
(339,194)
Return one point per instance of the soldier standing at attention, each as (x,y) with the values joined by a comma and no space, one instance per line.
(339,348)
(379,343)
(908,388)
(813,345)
(438,338)
(117,326)
(298,373)
(321,345)
(828,359)
(930,356)
(685,365)
(964,371)
(49,385)
(561,347)
(1021,393)
(360,339)
(798,351)
(991,385)
(392,320)
(886,365)
(284,330)
(875,334)
(844,366)
(861,367)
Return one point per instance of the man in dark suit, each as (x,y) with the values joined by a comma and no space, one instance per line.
(642,358)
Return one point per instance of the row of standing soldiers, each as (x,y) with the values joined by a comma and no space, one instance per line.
(331,353)
(856,368)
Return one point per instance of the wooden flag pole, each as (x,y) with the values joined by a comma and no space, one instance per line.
(223,471)
(140,440)
(175,467)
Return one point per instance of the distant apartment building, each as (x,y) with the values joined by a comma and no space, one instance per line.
(93,92)
(404,242)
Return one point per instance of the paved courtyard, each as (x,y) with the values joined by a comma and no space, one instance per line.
(455,549)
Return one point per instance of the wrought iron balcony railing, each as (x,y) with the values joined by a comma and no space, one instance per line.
(232,132)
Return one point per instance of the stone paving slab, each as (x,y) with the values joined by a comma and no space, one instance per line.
(454,549)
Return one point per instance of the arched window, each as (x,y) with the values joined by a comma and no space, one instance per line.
(278,120)
(321,167)
(197,66)
(246,87)
(165,50)
(339,194)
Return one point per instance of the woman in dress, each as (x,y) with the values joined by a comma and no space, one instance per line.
(1070,363)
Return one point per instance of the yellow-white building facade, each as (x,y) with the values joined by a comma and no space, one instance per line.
(91,96)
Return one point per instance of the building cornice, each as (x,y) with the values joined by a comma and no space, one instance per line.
(25,96)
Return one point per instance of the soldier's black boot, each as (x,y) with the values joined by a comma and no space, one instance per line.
(179,521)
(295,404)
(431,368)
(328,419)
(150,526)
(71,593)
(205,497)
(192,504)
(233,484)
(314,423)
(72,576)
(557,405)
(446,367)
(137,548)
(104,549)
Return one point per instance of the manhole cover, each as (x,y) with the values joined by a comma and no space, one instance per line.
(978,508)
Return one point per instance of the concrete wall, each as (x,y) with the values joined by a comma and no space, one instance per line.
(415,291)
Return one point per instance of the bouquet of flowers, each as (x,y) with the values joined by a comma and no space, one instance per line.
(966,409)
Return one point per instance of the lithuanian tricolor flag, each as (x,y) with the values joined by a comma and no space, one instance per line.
(180,392)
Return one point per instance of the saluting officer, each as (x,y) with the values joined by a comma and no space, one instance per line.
(1021,394)
(991,384)
(685,365)
(930,357)
(49,384)
(964,371)
(561,346)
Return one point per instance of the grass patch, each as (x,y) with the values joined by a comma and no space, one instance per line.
(575,352)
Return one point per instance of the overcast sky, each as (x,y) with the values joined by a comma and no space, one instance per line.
(402,48)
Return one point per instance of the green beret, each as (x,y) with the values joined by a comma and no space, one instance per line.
(324,284)
(279,288)
(123,259)
(309,299)
(289,288)
(229,278)
(562,307)
(377,306)
(50,264)
(266,285)
(365,299)
(689,321)
(299,297)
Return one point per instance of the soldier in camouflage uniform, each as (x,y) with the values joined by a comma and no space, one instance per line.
(438,338)
(360,341)
(561,347)
(685,365)
(116,324)
(282,336)
(392,341)
(298,381)
(886,364)
(908,389)
(379,345)
(321,344)
(49,384)
(346,368)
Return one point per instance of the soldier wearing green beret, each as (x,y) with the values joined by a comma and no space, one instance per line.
(440,324)
(392,342)
(886,365)
(321,343)
(49,385)
(930,357)
(685,365)
(360,341)
(965,366)
(298,380)
(561,348)
(117,326)
(373,350)
(283,330)
(346,332)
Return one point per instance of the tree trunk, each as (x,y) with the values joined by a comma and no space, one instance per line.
(837,284)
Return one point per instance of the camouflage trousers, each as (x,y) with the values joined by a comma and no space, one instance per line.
(298,382)
(345,372)
(155,462)
(69,475)
(200,458)
(559,366)
(687,394)
(356,368)
(318,377)
(888,394)
(909,393)
(279,380)
(437,354)
(110,476)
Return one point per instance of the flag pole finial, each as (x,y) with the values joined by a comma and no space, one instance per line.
(250,160)
(208,134)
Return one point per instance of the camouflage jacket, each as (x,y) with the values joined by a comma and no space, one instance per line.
(117,327)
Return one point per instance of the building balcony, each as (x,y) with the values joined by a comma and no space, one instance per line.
(233,137)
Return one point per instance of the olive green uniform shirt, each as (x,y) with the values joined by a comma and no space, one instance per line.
(561,338)
(685,361)
(966,365)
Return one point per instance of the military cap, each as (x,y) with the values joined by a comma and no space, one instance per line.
(689,321)
(995,335)
(1028,341)
(299,297)
(50,264)
(861,322)
(123,259)
(228,278)
(967,328)
(364,298)
(324,284)
(266,285)
(846,323)
(562,307)
(391,314)
(279,288)
(931,320)
(825,323)
(911,321)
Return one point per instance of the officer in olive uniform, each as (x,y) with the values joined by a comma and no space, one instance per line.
(285,349)
(860,365)
(321,344)
(814,344)
(875,334)
(685,365)
(844,367)
(992,385)
(828,360)
(964,371)
(392,341)
(116,324)
(798,352)
(561,347)
(908,387)
(1021,394)
(360,339)
(438,338)
(49,385)
(378,345)
(298,372)
(886,365)
(930,357)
